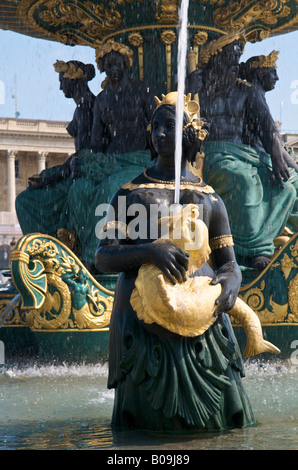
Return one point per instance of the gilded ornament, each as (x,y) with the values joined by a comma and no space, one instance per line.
(223,241)
(56,308)
(240,14)
(293,299)
(16,316)
(217,45)
(264,61)
(191,109)
(136,40)
(109,46)
(68,70)
(167,11)
(77,23)
(168,37)
(287,264)
(57,292)
(200,38)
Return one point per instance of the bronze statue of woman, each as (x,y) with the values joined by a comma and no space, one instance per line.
(258,211)
(43,206)
(124,107)
(166,381)
(261,73)
(74,77)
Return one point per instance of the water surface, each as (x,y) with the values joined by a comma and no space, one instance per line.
(68,407)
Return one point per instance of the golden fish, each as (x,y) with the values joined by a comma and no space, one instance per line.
(188,308)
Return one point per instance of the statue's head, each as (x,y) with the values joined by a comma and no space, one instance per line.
(113,58)
(163,127)
(71,73)
(223,54)
(261,69)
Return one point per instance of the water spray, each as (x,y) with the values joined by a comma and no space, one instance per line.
(181,69)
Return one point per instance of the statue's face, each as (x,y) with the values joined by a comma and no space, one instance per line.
(163,132)
(269,80)
(115,66)
(67,85)
(228,60)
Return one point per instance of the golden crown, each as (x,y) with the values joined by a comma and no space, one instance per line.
(217,45)
(191,108)
(110,46)
(69,70)
(265,61)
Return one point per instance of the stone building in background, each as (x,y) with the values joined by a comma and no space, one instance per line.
(27,146)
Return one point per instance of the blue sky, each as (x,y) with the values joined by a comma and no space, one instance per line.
(28,63)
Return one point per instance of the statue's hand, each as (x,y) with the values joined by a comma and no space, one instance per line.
(74,166)
(170,259)
(280,172)
(229,279)
(36,182)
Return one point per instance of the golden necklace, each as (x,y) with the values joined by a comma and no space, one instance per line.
(170,182)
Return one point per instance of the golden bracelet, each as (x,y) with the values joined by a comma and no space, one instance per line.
(221,242)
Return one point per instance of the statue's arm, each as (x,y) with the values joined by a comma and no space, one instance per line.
(61,173)
(289,160)
(116,253)
(268,133)
(97,141)
(85,121)
(227,271)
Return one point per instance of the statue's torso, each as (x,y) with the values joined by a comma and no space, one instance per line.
(125,116)
(225,112)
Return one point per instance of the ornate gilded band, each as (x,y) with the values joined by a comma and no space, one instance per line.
(221,242)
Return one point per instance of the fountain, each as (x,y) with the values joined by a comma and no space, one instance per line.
(44,322)
(61,305)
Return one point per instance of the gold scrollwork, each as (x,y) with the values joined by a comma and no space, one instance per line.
(56,308)
(255,299)
(16,316)
(68,296)
(91,21)
(238,14)
(293,299)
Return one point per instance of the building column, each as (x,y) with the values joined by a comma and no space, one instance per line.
(11,181)
(42,156)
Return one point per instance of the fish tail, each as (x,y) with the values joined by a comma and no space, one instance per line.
(253,349)
(253,330)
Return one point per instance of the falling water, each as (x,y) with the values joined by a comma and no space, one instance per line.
(181,69)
